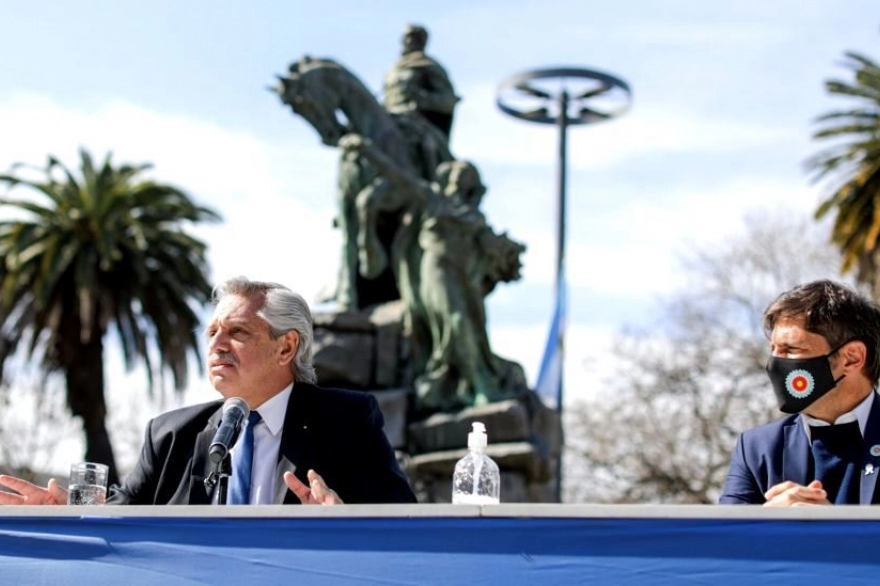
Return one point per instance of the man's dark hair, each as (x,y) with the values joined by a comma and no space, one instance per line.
(835,312)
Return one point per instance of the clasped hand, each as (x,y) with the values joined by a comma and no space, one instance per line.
(792,494)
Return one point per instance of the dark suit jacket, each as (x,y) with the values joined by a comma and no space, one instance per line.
(779,451)
(337,433)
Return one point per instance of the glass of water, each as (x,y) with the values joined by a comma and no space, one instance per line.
(88,484)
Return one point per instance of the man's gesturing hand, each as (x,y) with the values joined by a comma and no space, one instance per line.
(31,494)
(316,493)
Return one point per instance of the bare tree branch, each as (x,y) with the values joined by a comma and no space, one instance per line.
(662,427)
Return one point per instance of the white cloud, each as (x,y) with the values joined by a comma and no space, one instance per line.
(489,136)
(700,33)
(639,243)
(277,202)
(632,245)
(588,357)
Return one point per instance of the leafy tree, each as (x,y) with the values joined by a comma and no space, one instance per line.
(662,427)
(105,250)
(852,167)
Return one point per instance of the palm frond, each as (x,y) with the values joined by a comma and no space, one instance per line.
(852,166)
(109,248)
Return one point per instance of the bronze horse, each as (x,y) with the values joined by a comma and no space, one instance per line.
(335,102)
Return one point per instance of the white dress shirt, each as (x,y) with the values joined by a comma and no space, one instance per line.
(267,443)
(860,414)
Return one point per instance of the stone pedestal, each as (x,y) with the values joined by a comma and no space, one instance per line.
(368,350)
(361,350)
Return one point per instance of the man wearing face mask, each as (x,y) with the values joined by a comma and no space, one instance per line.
(824,367)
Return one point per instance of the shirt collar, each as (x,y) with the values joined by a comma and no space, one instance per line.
(274,410)
(860,414)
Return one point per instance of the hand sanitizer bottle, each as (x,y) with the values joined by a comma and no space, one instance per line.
(476,480)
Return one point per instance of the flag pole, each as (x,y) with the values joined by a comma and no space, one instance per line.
(560,267)
(601,97)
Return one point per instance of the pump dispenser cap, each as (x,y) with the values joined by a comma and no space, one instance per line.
(477,437)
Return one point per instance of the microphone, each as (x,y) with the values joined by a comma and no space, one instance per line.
(235,411)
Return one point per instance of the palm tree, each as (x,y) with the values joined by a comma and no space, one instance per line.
(105,249)
(852,164)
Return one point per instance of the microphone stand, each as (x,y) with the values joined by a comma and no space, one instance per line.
(219,477)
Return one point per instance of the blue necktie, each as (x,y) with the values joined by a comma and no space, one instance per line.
(837,454)
(243,464)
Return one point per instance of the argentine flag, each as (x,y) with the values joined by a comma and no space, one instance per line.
(549,384)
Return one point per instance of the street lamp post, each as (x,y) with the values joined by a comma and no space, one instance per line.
(564,96)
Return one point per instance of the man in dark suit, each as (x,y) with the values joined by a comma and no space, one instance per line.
(824,367)
(308,444)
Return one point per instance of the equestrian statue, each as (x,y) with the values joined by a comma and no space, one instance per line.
(410,220)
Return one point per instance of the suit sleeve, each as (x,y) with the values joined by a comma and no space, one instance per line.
(741,486)
(134,488)
(383,480)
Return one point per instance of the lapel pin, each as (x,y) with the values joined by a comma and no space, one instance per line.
(869,469)
(875,450)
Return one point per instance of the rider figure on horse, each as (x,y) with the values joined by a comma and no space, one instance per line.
(418,83)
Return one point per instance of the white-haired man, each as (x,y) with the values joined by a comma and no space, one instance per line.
(310,445)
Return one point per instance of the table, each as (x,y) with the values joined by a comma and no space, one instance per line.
(508,544)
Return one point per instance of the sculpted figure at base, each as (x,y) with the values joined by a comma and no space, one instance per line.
(449,260)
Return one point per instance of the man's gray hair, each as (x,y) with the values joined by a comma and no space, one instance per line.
(284,311)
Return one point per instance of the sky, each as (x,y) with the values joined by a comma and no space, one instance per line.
(724,95)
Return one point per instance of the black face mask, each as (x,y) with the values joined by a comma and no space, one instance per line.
(799,382)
